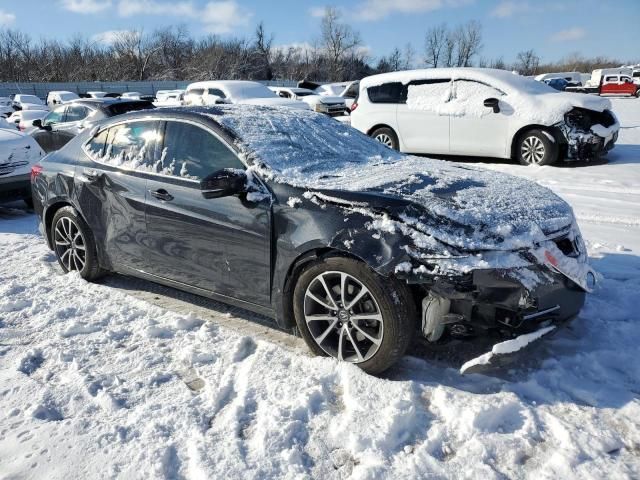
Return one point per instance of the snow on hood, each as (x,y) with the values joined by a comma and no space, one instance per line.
(18,152)
(469,208)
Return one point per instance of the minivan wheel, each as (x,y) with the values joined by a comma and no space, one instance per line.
(74,245)
(345,310)
(387,137)
(536,148)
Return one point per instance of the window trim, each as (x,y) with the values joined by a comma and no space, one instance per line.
(477,81)
(158,119)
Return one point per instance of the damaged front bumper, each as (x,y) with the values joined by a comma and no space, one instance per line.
(587,135)
(503,303)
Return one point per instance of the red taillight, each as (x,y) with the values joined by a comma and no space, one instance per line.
(35,171)
(354,105)
(21,127)
(550,258)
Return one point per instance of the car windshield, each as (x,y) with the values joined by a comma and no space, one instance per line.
(300,146)
(30,99)
(303,93)
(65,97)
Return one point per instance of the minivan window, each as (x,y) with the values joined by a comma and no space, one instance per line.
(386,93)
(428,94)
(196,91)
(193,152)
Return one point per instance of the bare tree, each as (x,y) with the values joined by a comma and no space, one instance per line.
(262,47)
(339,40)
(527,62)
(469,42)
(435,45)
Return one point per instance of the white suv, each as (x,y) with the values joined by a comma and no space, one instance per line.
(483,112)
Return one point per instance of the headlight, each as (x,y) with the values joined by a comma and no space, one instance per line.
(320,107)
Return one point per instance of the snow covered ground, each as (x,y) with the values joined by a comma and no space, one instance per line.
(126,380)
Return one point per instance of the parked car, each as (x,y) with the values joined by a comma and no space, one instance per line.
(96,94)
(28,102)
(346,90)
(170,99)
(483,112)
(573,79)
(332,106)
(162,95)
(557,83)
(66,121)
(236,91)
(60,97)
(294,215)
(6,106)
(613,83)
(131,95)
(23,119)
(18,154)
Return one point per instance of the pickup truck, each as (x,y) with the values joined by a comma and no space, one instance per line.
(610,84)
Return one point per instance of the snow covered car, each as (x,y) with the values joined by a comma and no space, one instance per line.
(23,119)
(332,106)
(18,153)
(297,216)
(59,97)
(6,106)
(59,126)
(28,102)
(483,112)
(346,90)
(236,91)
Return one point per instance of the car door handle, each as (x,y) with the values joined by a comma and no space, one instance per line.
(90,174)
(161,194)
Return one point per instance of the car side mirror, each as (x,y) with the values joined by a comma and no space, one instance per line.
(37,123)
(493,103)
(224,183)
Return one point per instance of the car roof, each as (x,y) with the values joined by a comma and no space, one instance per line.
(502,79)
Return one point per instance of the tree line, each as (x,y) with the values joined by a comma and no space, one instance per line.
(171,53)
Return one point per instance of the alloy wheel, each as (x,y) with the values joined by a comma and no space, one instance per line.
(343,317)
(533,149)
(384,139)
(70,244)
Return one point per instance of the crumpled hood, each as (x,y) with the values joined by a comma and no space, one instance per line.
(467,208)
(550,108)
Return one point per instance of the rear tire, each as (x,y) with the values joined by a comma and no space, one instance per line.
(367,320)
(387,137)
(74,245)
(534,147)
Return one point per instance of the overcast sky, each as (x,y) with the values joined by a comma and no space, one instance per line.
(552,28)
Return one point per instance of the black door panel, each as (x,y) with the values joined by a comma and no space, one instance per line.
(220,245)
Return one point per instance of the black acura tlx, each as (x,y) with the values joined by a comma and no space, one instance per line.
(291,214)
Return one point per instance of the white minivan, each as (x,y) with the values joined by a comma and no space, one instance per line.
(484,113)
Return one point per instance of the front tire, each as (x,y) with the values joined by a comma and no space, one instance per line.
(387,137)
(534,147)
(74,245)
(345,310)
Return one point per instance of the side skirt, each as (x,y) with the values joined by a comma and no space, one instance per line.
(266,311)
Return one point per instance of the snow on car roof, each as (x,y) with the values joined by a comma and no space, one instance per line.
(237,89)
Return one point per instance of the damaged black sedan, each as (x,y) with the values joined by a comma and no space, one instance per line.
(293,215)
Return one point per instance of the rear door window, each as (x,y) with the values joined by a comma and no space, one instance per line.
(428,94)
(133,145)
(193,152)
